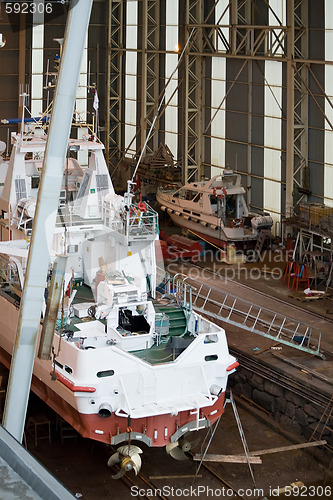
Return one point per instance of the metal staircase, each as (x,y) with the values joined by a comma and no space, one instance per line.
(225,307)
(177,320)
(262,237)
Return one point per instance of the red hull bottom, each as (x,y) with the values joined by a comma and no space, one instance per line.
(156,430)
(240,245)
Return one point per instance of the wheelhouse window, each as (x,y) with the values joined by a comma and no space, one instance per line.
(197,197)
(35,181)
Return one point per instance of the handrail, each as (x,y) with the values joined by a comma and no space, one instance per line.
(228,308)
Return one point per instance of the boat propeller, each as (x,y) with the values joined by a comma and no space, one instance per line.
(178,449)
(128,456)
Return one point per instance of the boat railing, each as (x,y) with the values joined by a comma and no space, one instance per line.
(222,306)
(183,291)
(70,220)
(135,224)
(24,224)
(176,287)
(163,282)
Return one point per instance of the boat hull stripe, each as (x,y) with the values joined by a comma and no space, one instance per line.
(72,386)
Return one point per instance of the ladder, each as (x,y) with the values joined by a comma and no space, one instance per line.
(223,306)
(262,236)
(324,422)
(329,278)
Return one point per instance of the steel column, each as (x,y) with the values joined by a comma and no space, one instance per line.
(115,77)
(290,111)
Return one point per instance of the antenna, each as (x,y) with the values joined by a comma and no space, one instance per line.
(8,135)
(23,96)
(47,73)
(88,81)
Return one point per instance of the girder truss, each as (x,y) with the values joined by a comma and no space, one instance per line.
(242,38)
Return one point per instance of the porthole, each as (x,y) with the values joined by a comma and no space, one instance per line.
(211,357)
(105,373)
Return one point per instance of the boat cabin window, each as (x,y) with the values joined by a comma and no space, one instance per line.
(211,357)
(72,248)
(197,197)
(35,181)
(20,188)
(186,194)
(179,193)
(231,206)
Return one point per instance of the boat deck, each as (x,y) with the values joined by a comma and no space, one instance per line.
(66,219)
(170,345)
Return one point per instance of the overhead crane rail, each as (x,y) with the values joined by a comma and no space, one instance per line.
(223,306)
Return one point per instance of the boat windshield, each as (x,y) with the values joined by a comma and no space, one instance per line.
(187,194)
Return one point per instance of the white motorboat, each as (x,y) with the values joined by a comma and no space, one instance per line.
(215,210)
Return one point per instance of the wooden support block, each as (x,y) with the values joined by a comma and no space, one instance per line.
(185,476)
(236,459)
(288,448)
